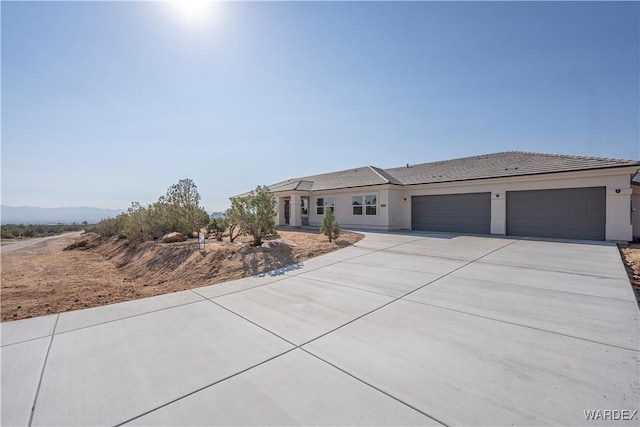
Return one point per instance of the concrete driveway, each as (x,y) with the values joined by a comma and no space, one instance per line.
(400,329)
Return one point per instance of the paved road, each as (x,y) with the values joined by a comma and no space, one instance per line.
(30,242)
(400,329)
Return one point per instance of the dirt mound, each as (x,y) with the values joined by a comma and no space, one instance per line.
(69,274)
(631,257)
(186,263)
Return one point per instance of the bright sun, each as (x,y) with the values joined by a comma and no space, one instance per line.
(192,10)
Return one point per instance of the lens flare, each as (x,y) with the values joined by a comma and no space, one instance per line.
(193,11)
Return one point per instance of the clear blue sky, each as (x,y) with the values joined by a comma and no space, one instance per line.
(104,103)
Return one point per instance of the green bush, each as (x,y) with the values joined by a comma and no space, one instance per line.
(178,210)
(255,214)
(218,226)
(107,227)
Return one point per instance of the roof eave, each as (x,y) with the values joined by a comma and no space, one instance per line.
(525,174)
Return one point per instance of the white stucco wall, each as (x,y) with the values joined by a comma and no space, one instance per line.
(395,209)
(344,213)
(498,212)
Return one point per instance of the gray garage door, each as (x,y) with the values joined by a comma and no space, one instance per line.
(571,213)
(458,213)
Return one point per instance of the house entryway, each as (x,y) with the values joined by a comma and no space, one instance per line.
(293,211)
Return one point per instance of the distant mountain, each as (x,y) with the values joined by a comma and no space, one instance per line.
(33,215)
(216,215)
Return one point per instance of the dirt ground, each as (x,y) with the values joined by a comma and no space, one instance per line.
(73,273)
(631,256)
(9,241)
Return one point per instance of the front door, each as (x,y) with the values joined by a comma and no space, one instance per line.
(287,213)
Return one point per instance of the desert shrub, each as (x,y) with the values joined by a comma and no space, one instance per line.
(161,219)
(178,210)
(107,227)
(218,226)
(255,214)
(330,226)
(133,223)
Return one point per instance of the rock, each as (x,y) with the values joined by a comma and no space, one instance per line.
(173,237)
(195,234)
(270,245)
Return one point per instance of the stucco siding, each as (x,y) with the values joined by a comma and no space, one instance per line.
(395,209)
(344,212)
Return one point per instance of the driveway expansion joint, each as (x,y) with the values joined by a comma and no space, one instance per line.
(401,296)
(44,366)
(521,325)
(518,285)
(129,316)
(549,270)
(375,388)
(252,322)
(352,287)
(203,388)
(194,290)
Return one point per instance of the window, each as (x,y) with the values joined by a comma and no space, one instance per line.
(324,202)
(371,204)
(356,205)
(304,206)
(369,207)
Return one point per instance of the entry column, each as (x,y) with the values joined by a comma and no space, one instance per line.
(280,213)
(294,216)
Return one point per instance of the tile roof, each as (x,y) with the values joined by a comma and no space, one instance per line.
(511,163)
(497,165)
(358,177)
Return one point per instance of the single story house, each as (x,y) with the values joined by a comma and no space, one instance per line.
(510,193)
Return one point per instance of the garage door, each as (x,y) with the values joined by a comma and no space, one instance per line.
(458,213)
(571,213)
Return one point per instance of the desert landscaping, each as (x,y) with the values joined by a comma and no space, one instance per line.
(631,258)
(72,272)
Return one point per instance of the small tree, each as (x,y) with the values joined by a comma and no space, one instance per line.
(256,214)
(184,211)
(234,216)
(218,226)
(330,226)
